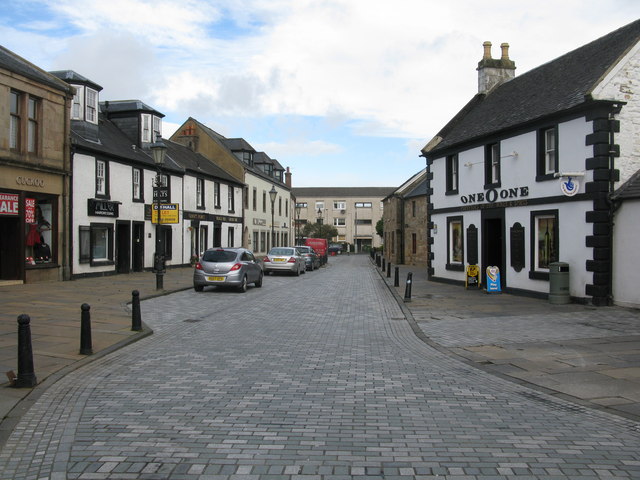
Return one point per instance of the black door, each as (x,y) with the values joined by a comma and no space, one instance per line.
(10,251)
(137,246)
(123,252)
(493,243)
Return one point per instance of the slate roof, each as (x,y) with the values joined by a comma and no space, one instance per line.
(629,189)
(196,163)
(321,192)
(17,64)
(70,76)
(238,144)
(556,86)
(117,106)
(419,191)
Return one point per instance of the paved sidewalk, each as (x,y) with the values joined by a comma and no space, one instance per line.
(589,355)
(54,309)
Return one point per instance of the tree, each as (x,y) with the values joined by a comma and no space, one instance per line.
(380,228)
(320,230)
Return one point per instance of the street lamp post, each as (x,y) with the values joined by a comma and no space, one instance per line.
(298,208)
(158,149)
(272,197)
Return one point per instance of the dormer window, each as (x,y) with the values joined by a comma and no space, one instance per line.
(85,104)
(92,105)
(151,127)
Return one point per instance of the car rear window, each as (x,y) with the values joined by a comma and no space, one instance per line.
(281,251)
(219,256)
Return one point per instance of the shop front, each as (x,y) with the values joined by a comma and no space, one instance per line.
(31,226)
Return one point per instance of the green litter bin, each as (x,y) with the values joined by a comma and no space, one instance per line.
(559,283)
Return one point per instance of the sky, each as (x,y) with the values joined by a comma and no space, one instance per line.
(343,92)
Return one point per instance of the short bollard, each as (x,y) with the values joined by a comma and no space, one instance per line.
(407,289)
(389,270)
(26,375)
(378,260)
(396,279)
(85,330)
(136,317)
(384,262)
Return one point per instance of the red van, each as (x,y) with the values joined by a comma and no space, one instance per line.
(320,245)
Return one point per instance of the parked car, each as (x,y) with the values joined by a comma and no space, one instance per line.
(320,245)
(312,261)
(284,259)
(227,267)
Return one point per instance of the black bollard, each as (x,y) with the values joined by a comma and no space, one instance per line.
(85,330)
(389,270)
(377,259)
(384,262)
(136,317)
(26,375)
(396,280)
(407,290)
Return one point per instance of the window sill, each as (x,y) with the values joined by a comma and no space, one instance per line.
(545,177)
(456,267)
(37,266)
(533,275)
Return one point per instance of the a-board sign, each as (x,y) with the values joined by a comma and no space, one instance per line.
(472,276)
(493,280)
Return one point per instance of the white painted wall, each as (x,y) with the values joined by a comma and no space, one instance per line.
(626,271)
(520,171)
(260,220)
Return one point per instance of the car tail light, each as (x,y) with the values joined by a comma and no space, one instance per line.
(237,266)
(292,260)
(198,266)
(266,259)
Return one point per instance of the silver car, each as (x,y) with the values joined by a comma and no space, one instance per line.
(284,259)
(227,267)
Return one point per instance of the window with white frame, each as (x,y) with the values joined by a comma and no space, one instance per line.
(137,184)
(301,205)
(157,127)
(339,205)
(101,243)
(492,165)
(547,153)
(101,178)
(319,205)
(339,222)
(146,127)
(451,174)
(91,107)
(231,194)
(199,192)
(216,194)
(77,102)
(363,205)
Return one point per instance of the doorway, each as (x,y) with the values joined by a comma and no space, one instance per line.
(10,251)
(123,251)
(137,246)
(493,242)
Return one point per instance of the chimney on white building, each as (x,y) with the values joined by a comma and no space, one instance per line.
(493,72)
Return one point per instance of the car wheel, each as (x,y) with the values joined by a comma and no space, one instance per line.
(198,288)
(243,286)
(259,282)
(297,274)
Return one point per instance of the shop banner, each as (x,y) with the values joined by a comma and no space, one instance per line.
(29,210)
(9,203)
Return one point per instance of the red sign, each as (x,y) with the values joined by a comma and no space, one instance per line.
(29,210)
(8,204)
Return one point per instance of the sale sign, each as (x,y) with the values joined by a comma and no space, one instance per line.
(9,204)
(29,210)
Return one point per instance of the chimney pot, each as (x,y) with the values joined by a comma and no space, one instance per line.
(487,50)
(505,51)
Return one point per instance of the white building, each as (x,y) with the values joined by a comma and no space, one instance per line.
(523,175)
(116,187)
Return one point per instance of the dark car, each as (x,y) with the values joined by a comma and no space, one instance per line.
(227,267)
(311,259)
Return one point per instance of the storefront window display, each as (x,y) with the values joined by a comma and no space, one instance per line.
(38,234)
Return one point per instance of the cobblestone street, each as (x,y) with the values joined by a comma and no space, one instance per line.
(318,376)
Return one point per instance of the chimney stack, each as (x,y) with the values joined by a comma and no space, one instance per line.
(493,72)
(287,178)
